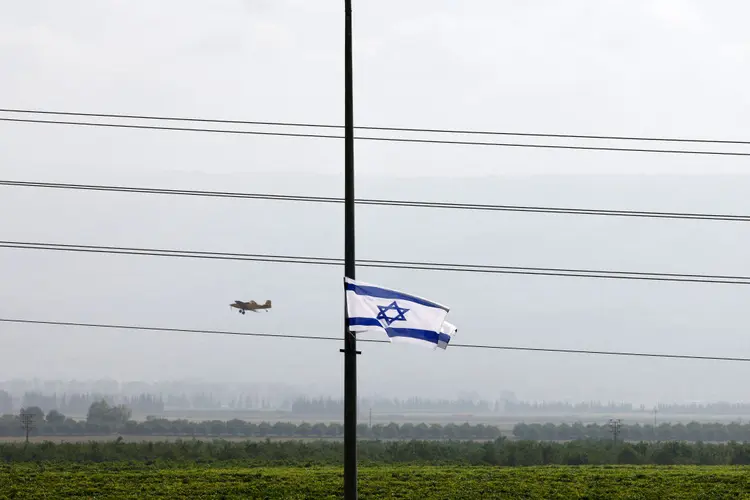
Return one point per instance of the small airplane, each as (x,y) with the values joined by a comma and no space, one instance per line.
(250,306)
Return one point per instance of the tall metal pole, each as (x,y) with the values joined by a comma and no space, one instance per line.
(350,340)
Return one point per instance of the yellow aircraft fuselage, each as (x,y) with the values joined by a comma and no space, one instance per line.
(250,306)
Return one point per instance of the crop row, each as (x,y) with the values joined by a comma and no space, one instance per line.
(498,452)
(377,482)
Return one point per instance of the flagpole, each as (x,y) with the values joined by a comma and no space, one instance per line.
(350,340)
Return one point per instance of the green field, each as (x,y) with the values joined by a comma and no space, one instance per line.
(422,482)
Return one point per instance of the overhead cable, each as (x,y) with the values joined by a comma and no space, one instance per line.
(382,202)
(377,341)
(384,129)
(372,263)
(372,138)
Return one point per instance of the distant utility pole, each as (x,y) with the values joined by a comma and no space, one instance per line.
(27,423)
(614,424)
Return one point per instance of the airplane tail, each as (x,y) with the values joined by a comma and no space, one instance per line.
(268,303)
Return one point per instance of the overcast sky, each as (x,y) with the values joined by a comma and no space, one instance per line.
(667,68)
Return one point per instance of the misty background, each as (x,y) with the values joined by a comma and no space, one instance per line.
(663,68)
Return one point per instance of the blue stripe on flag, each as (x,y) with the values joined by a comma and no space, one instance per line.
(364,322)
(384,293)
(426,335)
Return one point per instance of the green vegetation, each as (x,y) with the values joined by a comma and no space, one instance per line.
(103,419)
(78,404)
(398,469)
(500,452)
(692,431)
(422,482)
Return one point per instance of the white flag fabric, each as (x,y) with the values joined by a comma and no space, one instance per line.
(447,331)
(402,316)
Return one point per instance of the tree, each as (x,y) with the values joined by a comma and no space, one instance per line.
(30,417)
(36,412)
(54,417)
(101,413)
(6,403)
(628,455)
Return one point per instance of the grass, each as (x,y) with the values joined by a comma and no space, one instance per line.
(419,482)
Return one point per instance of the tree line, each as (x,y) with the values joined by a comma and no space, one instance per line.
(331,406)
(78,404)
(719,408)
(693,431)
(149,404)
(73,403)
(104,419)
(531,408)
(500,452)
(101,418)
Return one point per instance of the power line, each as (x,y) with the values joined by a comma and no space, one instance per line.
(173,330)
(410,265)
(383,139)
(382,202)
(383,129)
(376,341)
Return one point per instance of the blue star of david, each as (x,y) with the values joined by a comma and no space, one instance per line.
(392,307)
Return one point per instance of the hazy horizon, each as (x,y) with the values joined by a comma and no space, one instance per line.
(567,68)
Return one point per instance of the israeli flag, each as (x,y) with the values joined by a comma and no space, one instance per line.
(403,317)
(447,331)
